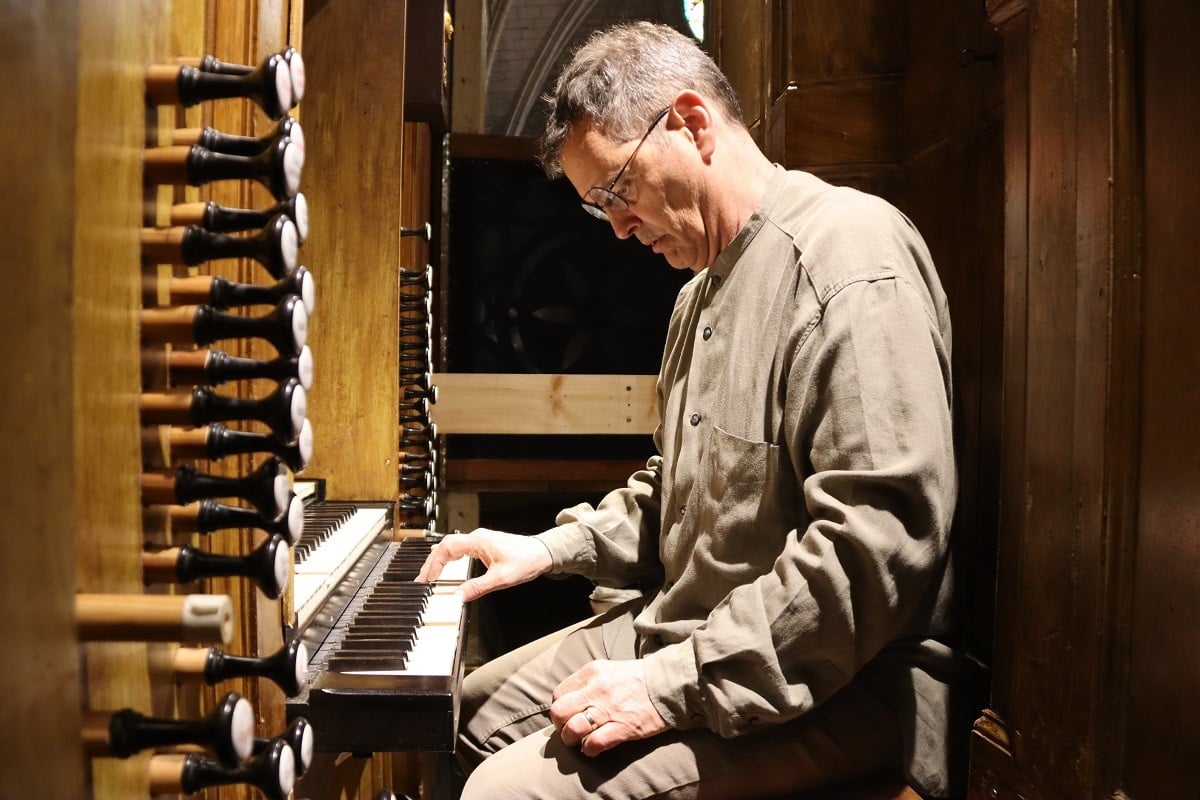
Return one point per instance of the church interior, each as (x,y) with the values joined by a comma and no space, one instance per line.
(285,272)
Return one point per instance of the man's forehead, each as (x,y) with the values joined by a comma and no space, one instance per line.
(589,157)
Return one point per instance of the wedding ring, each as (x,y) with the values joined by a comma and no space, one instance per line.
(587,714)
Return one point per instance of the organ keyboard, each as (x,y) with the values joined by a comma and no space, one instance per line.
(387,651)
(335,537)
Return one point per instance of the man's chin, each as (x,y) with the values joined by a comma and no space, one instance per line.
(676,262)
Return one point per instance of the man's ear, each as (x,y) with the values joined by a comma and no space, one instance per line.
(691,111)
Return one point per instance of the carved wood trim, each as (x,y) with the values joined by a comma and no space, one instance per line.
(994,731)
(1001,12)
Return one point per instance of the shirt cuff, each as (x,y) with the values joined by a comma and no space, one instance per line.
(673,681)
(570,548)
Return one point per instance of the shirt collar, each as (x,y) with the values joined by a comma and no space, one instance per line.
(728,257)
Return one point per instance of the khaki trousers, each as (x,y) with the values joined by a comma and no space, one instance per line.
(511,751)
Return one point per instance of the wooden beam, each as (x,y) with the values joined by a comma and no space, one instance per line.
(469,92)
(545,404)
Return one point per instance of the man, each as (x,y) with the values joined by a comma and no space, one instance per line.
(792,536)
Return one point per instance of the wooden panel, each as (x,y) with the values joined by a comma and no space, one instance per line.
(740,50)
(538,475)
(342,776)
(954,193)
(425,65)
(1165,660)
(992,768)
(535,403)
(934,95)
(354,120)
(847,122)
(931,27)
(39,54)
(470,66)
(478,145)
(1057,594)
(116,41)
(1074,411)
(844,38)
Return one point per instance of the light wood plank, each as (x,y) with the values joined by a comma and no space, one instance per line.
(546,404)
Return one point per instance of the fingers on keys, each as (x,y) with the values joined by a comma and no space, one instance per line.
(442,554)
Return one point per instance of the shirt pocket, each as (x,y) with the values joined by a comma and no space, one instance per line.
(747,504)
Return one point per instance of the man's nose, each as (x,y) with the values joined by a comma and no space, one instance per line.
(624,222)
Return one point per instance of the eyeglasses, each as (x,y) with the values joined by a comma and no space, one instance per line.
(602,200)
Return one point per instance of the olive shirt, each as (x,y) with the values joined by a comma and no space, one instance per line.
(797,521)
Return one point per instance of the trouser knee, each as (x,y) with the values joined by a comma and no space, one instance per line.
(493,780)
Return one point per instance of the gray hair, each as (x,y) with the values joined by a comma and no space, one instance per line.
(621,77)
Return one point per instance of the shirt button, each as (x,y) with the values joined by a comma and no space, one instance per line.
(695,419)
(716,281)
(707,332)
(683,509)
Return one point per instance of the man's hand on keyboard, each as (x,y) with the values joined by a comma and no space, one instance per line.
(510,559)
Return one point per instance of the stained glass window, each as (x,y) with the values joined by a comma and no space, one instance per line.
(693,11)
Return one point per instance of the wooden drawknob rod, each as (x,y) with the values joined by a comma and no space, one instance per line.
(193,618)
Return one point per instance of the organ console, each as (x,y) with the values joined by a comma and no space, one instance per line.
(269,85)
(272,772)
(278,168)
(267,488)
(223,219)
(347,577)
(267,565)
(283,410)
(215,367)
(276,246)
(227,731)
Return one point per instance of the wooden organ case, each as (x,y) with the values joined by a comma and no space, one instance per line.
(87,227)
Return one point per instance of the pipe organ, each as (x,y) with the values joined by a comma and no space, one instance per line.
(185,393)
